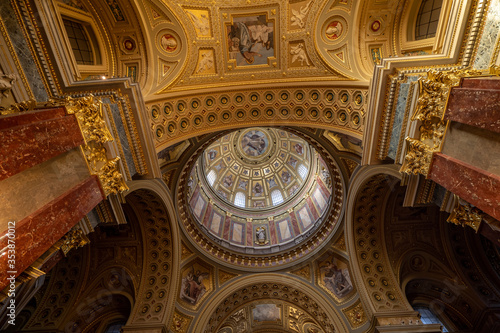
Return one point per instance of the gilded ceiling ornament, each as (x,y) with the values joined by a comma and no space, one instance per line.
(201,22)
(340,243)
(205,62)
(355,314)
(180,322)
(185,251)
(225,276)
(19,107)
(466,215)
(304,272)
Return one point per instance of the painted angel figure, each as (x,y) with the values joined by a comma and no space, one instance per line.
(192,288)
(299,53)
(201,23)
(300,15)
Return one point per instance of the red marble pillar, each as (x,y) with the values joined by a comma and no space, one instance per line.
(37,232)
(477,103)
(295,224)
(30,138)
(476,186)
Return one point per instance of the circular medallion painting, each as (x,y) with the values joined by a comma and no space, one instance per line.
(254,143)
(334,30)
(168,43)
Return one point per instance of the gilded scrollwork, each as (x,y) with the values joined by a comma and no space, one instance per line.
(89,113)
(29,105)
(431,106)
(466,215)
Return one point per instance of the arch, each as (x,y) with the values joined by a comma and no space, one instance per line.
(368,193)
(157,212)
(210,313)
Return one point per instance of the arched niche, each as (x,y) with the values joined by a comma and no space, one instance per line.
(371,269)
(268,288)
(154,209)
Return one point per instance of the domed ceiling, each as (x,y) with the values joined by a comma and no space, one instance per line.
(257,168)
(260,190)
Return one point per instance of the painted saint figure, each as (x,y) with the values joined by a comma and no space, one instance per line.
(336,280)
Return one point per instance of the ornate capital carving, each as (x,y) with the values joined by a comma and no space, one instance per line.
(466,215)
(431,106)
(418,158)
(75,238)
(89,114)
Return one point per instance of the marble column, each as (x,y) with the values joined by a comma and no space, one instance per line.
(38,231)
(476,102)
(30,138)
(474,185)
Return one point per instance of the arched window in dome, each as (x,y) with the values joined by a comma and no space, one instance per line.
(276,197)
(427,19)
(302,169)
(211,177)
(239,199)
(428,317)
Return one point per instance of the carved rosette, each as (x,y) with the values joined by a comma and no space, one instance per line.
(89,114)
(433,96)
(466,215)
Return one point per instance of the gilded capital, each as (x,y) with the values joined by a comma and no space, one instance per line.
(466,215)
(75,238)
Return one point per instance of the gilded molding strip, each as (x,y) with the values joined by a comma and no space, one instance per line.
(431,105)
